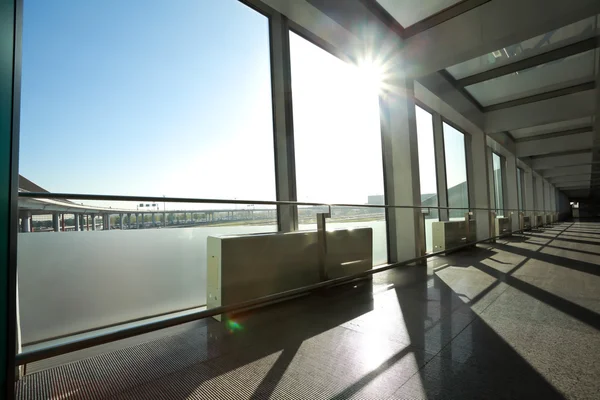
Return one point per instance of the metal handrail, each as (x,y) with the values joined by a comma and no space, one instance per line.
(30,356)
(103,197)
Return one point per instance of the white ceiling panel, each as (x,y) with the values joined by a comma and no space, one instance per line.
(409,12)
(560,74)
(538,45)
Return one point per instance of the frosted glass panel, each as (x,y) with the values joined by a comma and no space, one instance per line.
(546,77)
(76,281)
(540,44)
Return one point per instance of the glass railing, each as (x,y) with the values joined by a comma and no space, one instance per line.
(139,263)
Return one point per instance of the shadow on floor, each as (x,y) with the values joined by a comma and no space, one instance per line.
(412,336)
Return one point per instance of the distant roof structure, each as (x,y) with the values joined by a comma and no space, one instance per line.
(28,186)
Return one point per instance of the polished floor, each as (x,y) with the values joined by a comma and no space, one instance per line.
(518,319)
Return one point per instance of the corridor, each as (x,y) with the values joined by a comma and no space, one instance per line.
(514,319)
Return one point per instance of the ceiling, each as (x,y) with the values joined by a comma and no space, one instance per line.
(558,63)
(530,69)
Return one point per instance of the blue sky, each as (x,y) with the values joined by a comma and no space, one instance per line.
(128,97)
(158,97)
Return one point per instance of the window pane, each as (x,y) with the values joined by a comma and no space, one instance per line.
(337,139)
(498,195)
(427,171)
(137,98)
(153,103)
(456,171)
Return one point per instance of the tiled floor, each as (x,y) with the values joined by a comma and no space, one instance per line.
(517,319)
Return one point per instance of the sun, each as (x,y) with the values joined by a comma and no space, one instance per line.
(372,75)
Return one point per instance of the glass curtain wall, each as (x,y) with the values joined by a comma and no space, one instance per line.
(337,140)
(427,170)
(456,172)
(498,192)
(144,99)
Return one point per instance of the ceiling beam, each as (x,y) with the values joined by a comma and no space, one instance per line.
(579,141)
(567,171)
(570,178)
(568,160)
(487,28)
(542,96)
(553,55)
(557,134)
(563,108)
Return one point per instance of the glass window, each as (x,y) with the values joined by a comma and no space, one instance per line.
(520,178)
(427,170)
(154,103)
(456,172)
(337,140)
(137,98)
(498,192)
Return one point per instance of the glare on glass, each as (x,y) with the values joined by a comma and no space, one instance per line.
(337,139)
(456,171)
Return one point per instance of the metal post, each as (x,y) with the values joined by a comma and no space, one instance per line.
(55,222)
(440,166)
(281,86)
(25,221)
(322,243)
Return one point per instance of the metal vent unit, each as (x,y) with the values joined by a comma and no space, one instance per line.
(502,226)
(449,234)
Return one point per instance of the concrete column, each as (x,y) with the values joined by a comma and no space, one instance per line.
(478,181)
(81,222)
(401,164)
(153,219)
(139,219)
(25,221)
(164,219)
(528,192)
(512,196)
(55,222)
(76,222)
(106,222)
(285,165)
(121,222)
(128,220)
(93,222)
